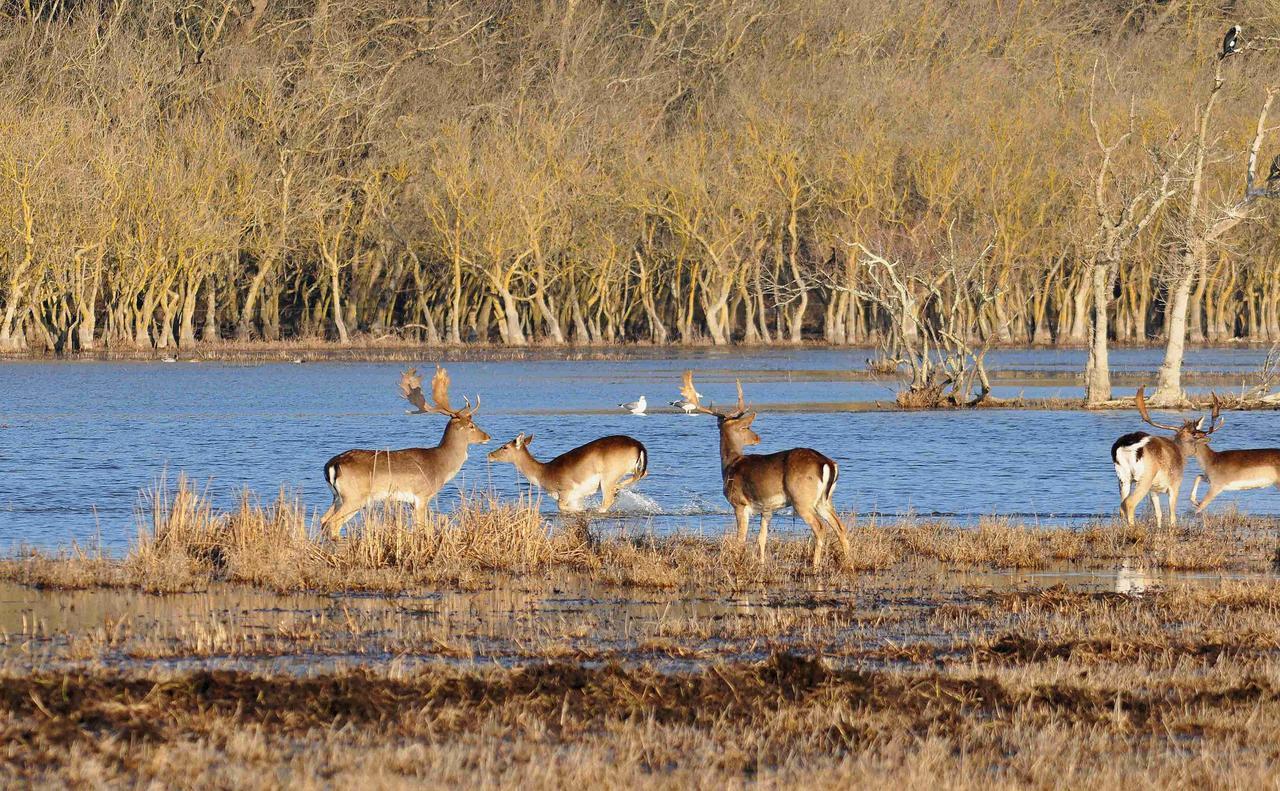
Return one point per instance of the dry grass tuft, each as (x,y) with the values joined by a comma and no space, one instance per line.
(185,544)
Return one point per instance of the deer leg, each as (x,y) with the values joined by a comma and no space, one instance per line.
(828,514)
(608,493)
(742,513)
(1195,489)
(1130,504)
(1155,504)
(819,533)
(421,515)
(765,515)
(1172,496)
(1213,492)
(334,520)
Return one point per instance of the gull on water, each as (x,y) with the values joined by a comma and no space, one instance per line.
(636,407)
(688,406)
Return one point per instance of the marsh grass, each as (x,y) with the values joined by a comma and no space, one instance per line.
(600,668)
(184,543)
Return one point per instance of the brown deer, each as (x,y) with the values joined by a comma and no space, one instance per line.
(801,478)
(1229,470)
(601,464)
(410,475)
(1154,464)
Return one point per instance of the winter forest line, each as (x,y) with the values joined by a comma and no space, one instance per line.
(923,175)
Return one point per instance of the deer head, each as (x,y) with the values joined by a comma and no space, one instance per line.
(1191,433)
(735,427)
(510,451)
(459,419)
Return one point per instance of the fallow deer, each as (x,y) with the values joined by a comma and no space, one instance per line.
(1228,470)
(411,475)
(1154,464)
(801,477)
(601,464)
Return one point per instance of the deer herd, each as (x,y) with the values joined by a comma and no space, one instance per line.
(801,478)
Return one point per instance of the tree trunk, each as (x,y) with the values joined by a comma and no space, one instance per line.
(1169,384)
(1098,369)
(514,334)
(335,294)
(187,333)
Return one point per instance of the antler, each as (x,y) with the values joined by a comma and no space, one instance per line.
(1141,400)
(742,402)
(1215,418)
(411,389)
(690,394)
(440,391)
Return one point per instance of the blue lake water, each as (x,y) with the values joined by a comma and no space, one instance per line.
(80,439)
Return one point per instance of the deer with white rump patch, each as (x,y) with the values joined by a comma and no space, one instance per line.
(601,464)
(410,475)
(1152,464)
(801,477)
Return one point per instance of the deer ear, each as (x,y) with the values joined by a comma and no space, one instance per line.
(1200,424)
(528,439)
(748,418)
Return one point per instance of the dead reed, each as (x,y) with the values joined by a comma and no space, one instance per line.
(184,543)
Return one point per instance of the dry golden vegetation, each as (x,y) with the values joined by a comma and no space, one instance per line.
(185,544)
(490,647)
(580,171)
(947,679)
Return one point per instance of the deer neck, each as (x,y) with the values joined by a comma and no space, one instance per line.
(730,450)
(453,445)
(1204,454)
(530,467)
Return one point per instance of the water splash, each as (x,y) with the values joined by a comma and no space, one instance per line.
(636,503)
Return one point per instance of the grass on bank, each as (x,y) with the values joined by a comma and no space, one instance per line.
(184,543)
(788,722)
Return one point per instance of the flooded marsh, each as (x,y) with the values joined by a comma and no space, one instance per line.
(211,637)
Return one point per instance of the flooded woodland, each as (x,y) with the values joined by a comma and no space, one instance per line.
(927,252)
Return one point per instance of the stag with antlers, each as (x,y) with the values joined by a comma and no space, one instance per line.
(1228,470)
(1152,464)
(410,475)
(801,477)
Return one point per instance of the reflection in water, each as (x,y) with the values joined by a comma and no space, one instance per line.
(239,627)
(1132,579)
(72,471)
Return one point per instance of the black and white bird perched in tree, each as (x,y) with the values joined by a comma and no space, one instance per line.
(1231,42)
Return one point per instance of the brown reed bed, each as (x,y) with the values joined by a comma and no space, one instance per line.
(786,721)
(184,543)
(539,657)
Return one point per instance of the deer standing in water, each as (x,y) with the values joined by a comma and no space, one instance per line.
(410,475)
(602,464)
(1229,470)
(801,477)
